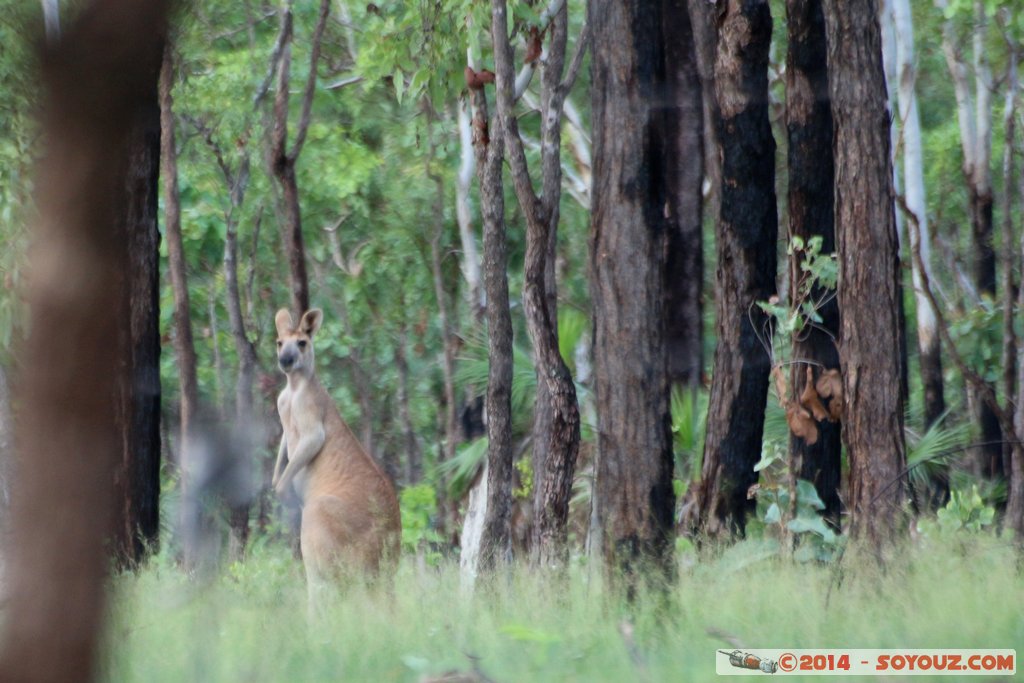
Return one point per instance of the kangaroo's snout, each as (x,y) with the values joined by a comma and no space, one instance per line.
(287,359)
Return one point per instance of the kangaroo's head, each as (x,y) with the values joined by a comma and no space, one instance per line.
(295,343)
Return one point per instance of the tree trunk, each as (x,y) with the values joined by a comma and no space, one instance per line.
(812,214)
(446,508)
(100,80)
(974,112)
(635,500)
(470,259)
(283,160)
(184,346)
(138,477)
(868,250)
(413,456)
(1009,256)
(556,430)
(913,171)
(747,229)
(248,361)
(1014,518)
(496,536)
(684,129)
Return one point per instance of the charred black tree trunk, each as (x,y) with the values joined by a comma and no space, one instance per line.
(683,132)
(634,496)
(871,334)
(138,476)
(747,229)
(812,214)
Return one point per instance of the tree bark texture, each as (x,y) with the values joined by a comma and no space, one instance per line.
(869,285)
(248,361)
(283,160)
(451,428)
(747,230)
(100,80)
(556,433)
(704,25)
(989,452)
(1009,257)
(137,479)
(812,214)
(496,537)
(1014,518)
(683,122)
(635,500)
(184,346)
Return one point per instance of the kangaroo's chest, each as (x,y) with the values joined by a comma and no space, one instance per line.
(299,412)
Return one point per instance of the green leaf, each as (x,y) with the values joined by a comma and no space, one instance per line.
(806,494)
(773,515)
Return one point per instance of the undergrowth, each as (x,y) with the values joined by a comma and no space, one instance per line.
(249,623)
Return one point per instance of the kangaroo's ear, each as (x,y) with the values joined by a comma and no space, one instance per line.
(311,321)
(283,322)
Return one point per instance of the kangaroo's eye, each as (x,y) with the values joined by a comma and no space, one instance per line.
(279,342)
(302,344)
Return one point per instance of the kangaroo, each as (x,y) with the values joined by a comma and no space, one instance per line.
(350,517)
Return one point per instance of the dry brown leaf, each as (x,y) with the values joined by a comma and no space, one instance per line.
(534,47)
(809,398)
(835,406)
(802,424)
(830,384)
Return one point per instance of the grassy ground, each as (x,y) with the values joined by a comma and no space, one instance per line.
(249,624)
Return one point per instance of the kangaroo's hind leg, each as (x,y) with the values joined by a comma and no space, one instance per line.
(326,541)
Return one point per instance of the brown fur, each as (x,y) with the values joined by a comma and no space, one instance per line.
(350,518)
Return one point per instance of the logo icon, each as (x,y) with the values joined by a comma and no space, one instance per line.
(745,660)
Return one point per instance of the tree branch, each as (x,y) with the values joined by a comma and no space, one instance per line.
(582,42)
(522,81)
(984,389)
(307,97)
(275,55)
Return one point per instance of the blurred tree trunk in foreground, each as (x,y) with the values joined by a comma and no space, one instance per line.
(869,285)
(99,79)
(635,499)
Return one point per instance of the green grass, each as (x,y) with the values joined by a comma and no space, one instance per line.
(249,623)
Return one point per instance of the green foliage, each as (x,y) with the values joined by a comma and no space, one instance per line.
(689,415)
(819,274)
(419,505)
(978,334)
(933,449)
(462,469)
(965,511)
(524,467)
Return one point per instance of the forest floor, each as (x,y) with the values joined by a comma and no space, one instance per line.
(249,623)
